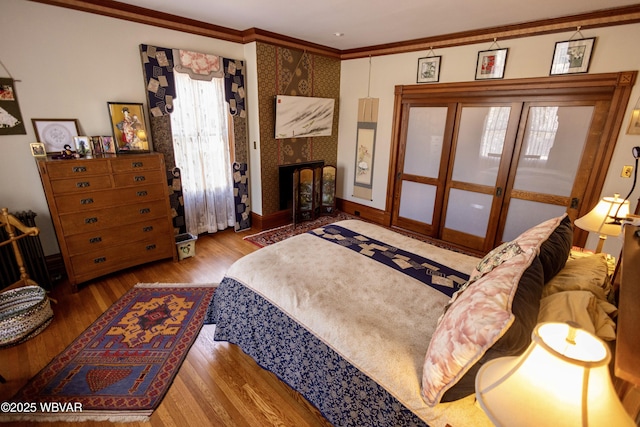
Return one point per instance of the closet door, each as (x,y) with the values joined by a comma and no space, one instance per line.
(551,164)
(477,163)
(478,173)
(422,162)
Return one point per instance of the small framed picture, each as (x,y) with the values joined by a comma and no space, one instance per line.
(83,145)
(128,127)
(108,147)
(38,149)
(55,133)
(428,69)
(634,124)
(491,64)
(96,144)
(572,56)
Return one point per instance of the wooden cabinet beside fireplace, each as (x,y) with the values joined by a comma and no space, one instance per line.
(109,213)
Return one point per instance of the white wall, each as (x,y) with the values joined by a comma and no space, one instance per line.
(255,174)
(615,50)
(70,64)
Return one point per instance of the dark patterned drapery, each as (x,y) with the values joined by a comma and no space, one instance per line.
(159,64)
(234,86)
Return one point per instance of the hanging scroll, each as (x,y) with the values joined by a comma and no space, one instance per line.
(365,147)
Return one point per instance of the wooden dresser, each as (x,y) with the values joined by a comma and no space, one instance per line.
(109,213)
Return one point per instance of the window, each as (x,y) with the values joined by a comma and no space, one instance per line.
(199,126)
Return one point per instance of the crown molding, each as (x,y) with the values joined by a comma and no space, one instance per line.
(602,18)
(114,9)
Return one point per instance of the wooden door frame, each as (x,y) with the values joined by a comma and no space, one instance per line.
(617,86)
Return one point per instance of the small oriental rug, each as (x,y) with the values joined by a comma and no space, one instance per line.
(120,368)
(275,235)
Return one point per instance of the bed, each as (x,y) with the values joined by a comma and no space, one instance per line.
(376,328)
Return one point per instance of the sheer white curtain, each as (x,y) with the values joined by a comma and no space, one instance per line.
(201,146)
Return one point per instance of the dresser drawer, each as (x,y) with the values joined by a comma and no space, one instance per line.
(97,263)
(135,163)
(138,178)
(84,184)
(152,229)
(76,168)
(99,219)
(70,203)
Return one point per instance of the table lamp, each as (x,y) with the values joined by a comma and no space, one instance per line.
(561,380)
(605,219)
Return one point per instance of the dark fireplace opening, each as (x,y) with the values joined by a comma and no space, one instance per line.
(285,181)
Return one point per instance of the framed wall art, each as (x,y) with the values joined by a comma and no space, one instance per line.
(634,124)
(128,127)
(491,64)
(572,56)
(55,133)
(303,116)
(11,122)
(428,69)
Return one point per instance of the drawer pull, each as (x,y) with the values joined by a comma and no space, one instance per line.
(150,247)
(136,164)
(83,184)
(147,229)
(141,193)
(144,211)
(86,201)
(78,169)
(139,178)
(99,260)
(95,240)
(91,220)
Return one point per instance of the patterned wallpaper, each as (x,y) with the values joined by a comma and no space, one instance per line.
(284,71)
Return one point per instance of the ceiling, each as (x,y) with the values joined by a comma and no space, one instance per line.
(365,23)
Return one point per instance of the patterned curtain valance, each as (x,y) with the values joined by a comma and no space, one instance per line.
(157,63)
(199,66)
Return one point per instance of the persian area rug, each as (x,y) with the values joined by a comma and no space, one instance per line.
(275,235)
(120,368)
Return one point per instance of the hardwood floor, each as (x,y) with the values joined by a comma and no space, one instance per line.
(217,385)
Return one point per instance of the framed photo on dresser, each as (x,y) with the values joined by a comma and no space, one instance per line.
(129,127)
(55,133)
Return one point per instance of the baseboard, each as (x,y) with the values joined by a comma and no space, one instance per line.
(267,222)
(280,218)
(370,214)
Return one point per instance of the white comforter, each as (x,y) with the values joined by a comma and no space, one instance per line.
(377,318)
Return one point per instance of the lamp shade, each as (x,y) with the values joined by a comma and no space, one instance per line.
(561,380)
(602,218)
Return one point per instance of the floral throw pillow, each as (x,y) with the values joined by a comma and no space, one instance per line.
(478,318)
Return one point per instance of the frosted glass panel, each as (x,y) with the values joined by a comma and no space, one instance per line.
(524,214)
(552,147)
(424,141)
(468,212)
(479,144)
(417,201)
